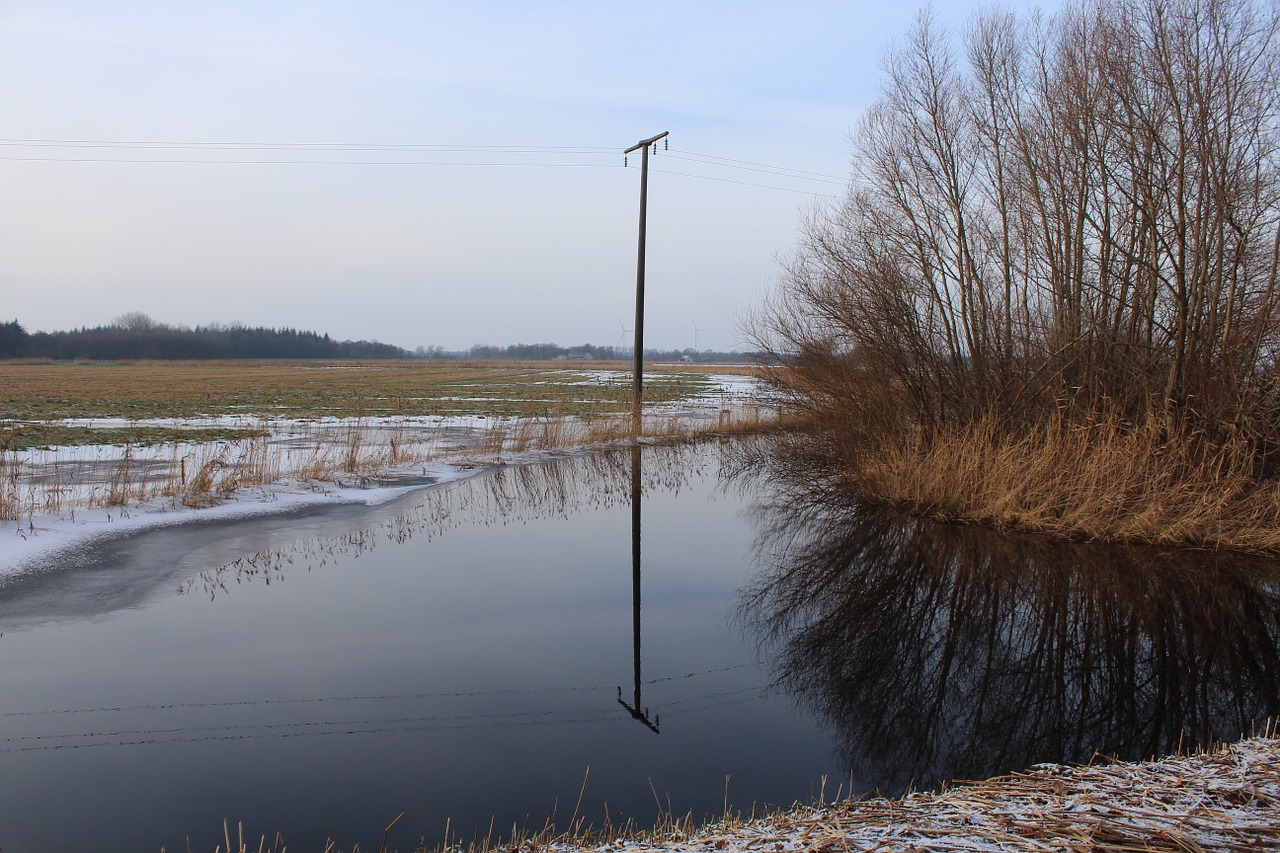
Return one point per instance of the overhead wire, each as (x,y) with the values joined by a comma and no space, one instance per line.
(538,152)
(299,162)
(739,183)
(715,160)
(308,146)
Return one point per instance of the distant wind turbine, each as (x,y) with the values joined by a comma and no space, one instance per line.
(696,330)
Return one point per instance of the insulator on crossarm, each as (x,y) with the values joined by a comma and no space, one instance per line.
(666,144)
(655,149)
(624,161)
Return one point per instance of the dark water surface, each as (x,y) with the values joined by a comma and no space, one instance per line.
(457,655)
(466,653)
(936,652)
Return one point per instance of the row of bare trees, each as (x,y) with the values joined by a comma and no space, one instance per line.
(1076,213)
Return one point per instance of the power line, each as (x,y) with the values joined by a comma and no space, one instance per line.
(739,183)
(536,152)
(176,161)
(775,173)
(127,145)
(712,157)
(308,146)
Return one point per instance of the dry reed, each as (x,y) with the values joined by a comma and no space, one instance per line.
(1099,480)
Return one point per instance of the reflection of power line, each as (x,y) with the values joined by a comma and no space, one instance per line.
(714,705)
(391,725)
(496,720)
(696,674)
(367,698)
(756,689)
(512,724)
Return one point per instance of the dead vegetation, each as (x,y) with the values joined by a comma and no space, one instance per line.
(1051,297)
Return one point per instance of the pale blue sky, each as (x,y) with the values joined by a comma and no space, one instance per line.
(441,254)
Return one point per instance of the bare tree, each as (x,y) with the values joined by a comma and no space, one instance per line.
(1077,213)
(136,321)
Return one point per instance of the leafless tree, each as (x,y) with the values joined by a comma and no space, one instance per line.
(1077,213)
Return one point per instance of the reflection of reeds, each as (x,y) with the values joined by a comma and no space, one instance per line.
(512,493)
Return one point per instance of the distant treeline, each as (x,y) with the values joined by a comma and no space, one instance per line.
(137,336)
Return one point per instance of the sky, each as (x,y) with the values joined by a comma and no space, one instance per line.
(423,173)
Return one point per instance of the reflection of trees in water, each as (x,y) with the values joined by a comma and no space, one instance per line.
(511,494)
(941,651)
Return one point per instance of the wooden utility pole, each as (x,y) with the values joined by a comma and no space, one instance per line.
(638,383)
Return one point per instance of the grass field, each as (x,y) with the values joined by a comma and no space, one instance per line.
(102,434)
(180,390)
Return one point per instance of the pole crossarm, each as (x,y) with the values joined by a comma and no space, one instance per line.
(642,143)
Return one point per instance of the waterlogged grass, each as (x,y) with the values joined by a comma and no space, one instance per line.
(44,436)
(266,390)
(195,432)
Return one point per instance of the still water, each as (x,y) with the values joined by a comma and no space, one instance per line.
(463,654)
(652,624)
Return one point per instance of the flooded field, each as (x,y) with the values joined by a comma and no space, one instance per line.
(459,654)
(174,434)
(606,636)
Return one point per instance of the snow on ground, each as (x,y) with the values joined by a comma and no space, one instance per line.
(1225,799)
(40,539)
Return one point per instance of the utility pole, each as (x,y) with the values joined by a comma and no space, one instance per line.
(638,383)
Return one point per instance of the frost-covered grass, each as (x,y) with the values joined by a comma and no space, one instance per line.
(1224,799)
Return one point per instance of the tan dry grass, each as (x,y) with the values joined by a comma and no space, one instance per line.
(1100,480)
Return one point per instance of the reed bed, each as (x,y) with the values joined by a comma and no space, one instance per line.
(1097,480)
(1226,798)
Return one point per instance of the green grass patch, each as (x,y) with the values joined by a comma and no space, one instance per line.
(38,436)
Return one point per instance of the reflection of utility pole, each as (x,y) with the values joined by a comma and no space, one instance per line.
(636,710)
(638,385)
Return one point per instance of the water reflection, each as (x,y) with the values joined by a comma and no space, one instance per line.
(520,493)
(636,708)
(940,651)
(514,494)
(464,669)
